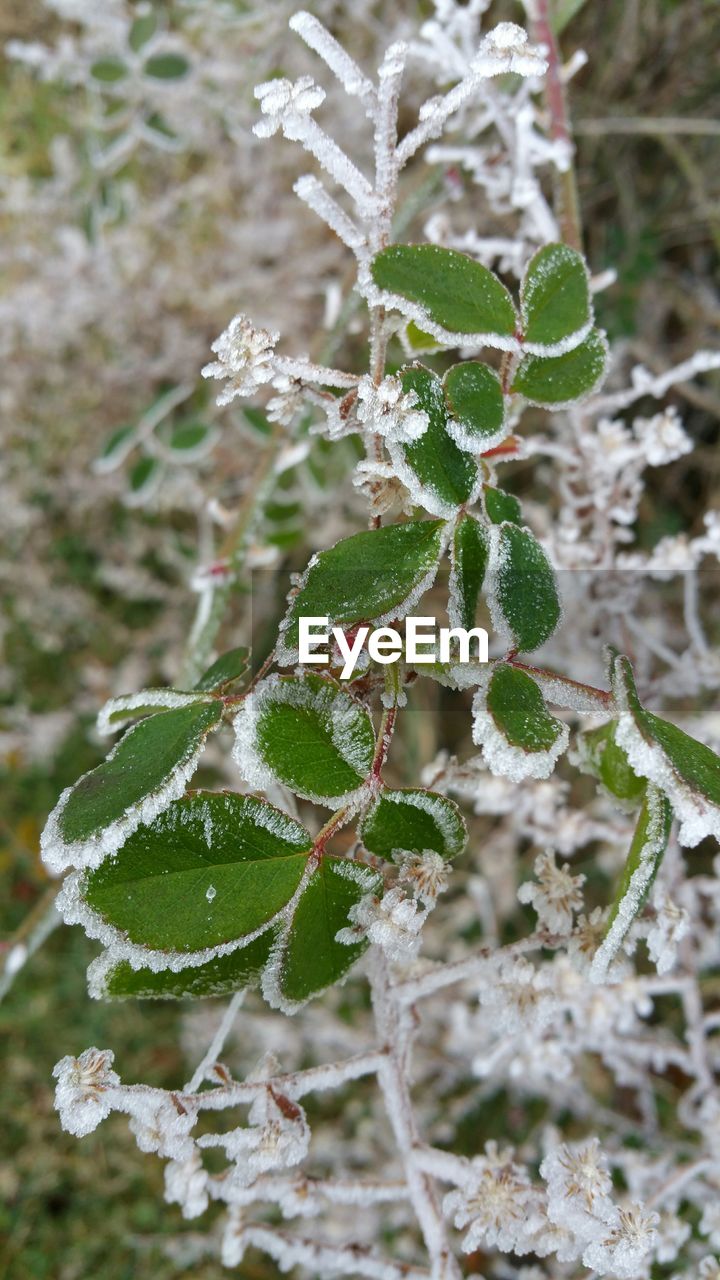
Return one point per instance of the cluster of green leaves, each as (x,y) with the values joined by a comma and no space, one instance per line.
(154,441)
(202,893)
(558,357)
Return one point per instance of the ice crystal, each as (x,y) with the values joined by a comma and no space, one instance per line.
(245,356)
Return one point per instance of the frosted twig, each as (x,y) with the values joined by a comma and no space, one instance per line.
(318,38)
(215,1047)
(324,1259)
(394,1031)
(312,192)
(645,383)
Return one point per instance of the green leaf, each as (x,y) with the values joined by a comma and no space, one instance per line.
(134,706)
(439,475)
(367,577)
(686,770)
(226,670)
(555,296)
(220,976)
(474,397)
(144,479)
(522,593)
(501,506)
(115,450)
(519,737)
(563,13)
(108,70)
(417,342)
(311,960)
(451,293)
(557,380)
(412,820)
(143,774)
(192,440)
(604,759)
(215,867)
(469,556)
(308,733)
(647,850)
(166,66)
(142,30)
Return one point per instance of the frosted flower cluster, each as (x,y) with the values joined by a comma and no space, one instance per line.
(390,412)
(556,896)
(245,359)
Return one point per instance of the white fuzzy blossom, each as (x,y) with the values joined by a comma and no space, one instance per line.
(623,1251)
(663,437)
(392,922)
(186,1184)
(426,874)
(285,102)
(495,1204)
(557,894)
(84,1090)
(245,358)
(277,1137)
(390,412)
(669,927)
(578,1188)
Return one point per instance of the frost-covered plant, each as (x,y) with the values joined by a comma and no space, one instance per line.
(199,893)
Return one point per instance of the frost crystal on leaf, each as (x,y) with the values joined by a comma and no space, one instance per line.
(245,359)
(84,1090)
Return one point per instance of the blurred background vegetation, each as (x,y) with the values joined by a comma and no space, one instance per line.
(648,158)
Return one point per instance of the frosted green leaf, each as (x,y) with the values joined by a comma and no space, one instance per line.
(477,406)
(555,296)
(687,771)
(108,70)
(412,820)
(521,588)
(450,294)
(647,850)
(500,506)
(120,711)
(438,474)
(220,976)
(116,449)
(214,868)
(147,769)
(469,555)
(417,342)
(166,66)
(142,30)
(144,478)
(192,440)
(601,756)
(376,576)
(519,737)
(550,381)
(226,670)
(310,959)
(308,733)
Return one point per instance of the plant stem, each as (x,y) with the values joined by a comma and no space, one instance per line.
(395,1026)
(566,193)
